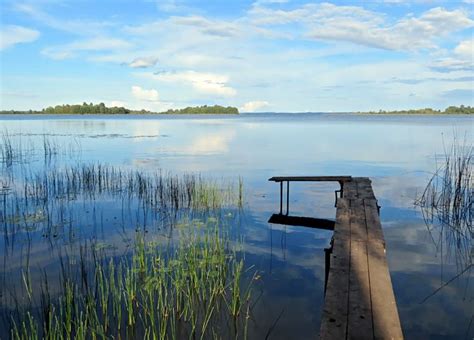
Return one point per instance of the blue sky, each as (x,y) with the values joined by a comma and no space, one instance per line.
(264,55)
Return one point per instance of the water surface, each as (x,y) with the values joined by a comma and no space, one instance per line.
(399,154)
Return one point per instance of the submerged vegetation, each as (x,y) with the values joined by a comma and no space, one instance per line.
(193,291)
(14,149)
(449,110)
(170,268)
(448,202)
(91,108)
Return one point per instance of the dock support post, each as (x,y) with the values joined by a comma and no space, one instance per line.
(327,264)
(287,197)
(281,198)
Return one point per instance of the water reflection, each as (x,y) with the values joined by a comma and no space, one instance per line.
(397,153)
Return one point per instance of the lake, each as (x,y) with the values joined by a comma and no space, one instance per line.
(431,277)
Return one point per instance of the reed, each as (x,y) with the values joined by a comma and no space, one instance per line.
(14,148)
(192,286)
(447,202)
(48,198)
(192,291)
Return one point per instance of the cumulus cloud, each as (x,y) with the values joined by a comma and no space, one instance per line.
(145,95)
(462,58)
(143,62)
(410,33)
(309,13)
(465,49)
(357,25)
(253,106)
(208,83)
(11,35)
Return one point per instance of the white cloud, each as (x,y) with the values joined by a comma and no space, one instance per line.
(78,27)
(410,33)
(357,25)
(219,28)
(100,43)
(253,106)
(309,13)
(465,49)
(145,95)
(11,35)
(208,83)
(462,58)
(143,62)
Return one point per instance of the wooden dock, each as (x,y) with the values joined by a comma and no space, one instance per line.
(359,300)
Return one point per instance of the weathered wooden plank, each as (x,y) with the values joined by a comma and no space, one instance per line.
(334,317)
(384,307)
(357,219)
(374,227)
(342,225)
(359,323)
(364,188)
(359,299)
(335,310)
(310,178)
(350,190)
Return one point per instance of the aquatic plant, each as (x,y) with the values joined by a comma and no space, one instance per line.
(54,197)
(447,201)
(12,151)
(14,148)
(195,290)
(198,288)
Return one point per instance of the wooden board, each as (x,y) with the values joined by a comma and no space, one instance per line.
(360,307)
(384,308)
(359,301)
(350,190)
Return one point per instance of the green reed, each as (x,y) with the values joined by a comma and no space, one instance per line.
(193,290)
(47,200)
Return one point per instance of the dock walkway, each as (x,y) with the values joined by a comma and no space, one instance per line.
(359,301)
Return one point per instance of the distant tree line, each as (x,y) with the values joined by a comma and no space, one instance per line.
(449,110)
(102,109)
(204,109)
(86,109)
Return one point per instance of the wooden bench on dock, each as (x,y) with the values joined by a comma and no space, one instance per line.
(359,300)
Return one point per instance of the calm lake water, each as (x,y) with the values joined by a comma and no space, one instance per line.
(434,292)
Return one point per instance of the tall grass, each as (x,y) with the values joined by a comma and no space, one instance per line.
(16,149)
(52,198)
(448,200)
(13,151)
(196,290)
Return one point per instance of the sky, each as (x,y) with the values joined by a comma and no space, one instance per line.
(259,56)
